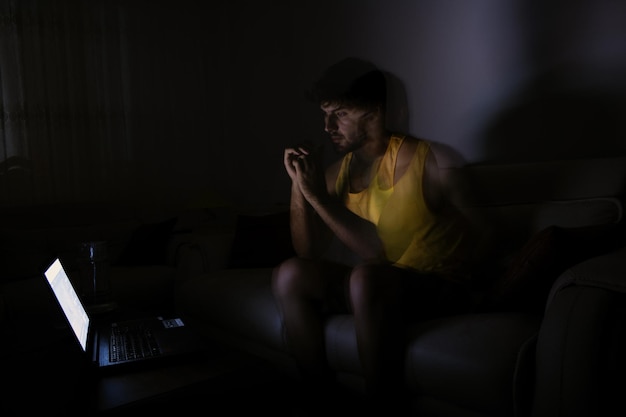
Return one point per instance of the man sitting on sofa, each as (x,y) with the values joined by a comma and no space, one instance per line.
(384,202)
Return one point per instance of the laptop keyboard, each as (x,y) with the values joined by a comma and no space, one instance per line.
(132,342)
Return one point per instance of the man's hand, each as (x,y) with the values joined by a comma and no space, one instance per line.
(290,160)
(304,169)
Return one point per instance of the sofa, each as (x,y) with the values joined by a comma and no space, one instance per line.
(142,243)
(545,332)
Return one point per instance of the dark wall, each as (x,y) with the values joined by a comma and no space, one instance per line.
(493,79)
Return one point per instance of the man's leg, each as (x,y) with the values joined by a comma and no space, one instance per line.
(376,295)
(301,287)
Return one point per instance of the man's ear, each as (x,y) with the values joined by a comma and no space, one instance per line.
(380,111)
(372,113)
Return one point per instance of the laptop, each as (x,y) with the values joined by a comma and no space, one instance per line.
(112,345)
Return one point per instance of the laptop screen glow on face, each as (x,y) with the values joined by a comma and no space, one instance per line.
(69,301)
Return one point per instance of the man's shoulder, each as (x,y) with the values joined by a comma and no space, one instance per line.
(410,143)
(407,150)
(444,155)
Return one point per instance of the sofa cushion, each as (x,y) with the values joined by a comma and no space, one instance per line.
(341,347)
(512,225)
(549,180)
(148,287)
(527,281)
(239,300)
(470,361)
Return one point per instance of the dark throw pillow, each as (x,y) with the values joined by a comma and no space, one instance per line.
(148,244)
(261,241)
(526,283)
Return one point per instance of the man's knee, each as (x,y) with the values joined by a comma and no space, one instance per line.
(284,274)
(363,282)
(295,276)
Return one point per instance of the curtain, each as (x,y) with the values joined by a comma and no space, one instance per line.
(65,108)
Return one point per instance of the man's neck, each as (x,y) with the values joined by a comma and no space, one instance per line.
(372,150)
(365,162)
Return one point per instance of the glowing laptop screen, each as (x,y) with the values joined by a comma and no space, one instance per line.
(69,301)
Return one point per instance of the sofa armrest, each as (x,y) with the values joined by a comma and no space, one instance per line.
(580,364)
(606,271)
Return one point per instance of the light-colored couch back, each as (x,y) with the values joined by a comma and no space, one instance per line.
(516,201)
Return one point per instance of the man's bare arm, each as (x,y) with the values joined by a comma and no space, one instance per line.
(307,231)
(317,189)
(358,234)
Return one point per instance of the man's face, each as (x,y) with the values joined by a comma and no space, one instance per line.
(347,126)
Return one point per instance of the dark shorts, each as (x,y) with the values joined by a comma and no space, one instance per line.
(423,296)
(430,296)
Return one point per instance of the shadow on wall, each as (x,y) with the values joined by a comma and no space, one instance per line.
(556,119)
(565,140)
(397,104)
(397,110)
(398,121)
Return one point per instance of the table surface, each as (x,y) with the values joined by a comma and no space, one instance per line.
(45,371)
(139,388)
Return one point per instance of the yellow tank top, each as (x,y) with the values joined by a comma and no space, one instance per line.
(413,236)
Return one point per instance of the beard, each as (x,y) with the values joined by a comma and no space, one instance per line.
(343,144)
